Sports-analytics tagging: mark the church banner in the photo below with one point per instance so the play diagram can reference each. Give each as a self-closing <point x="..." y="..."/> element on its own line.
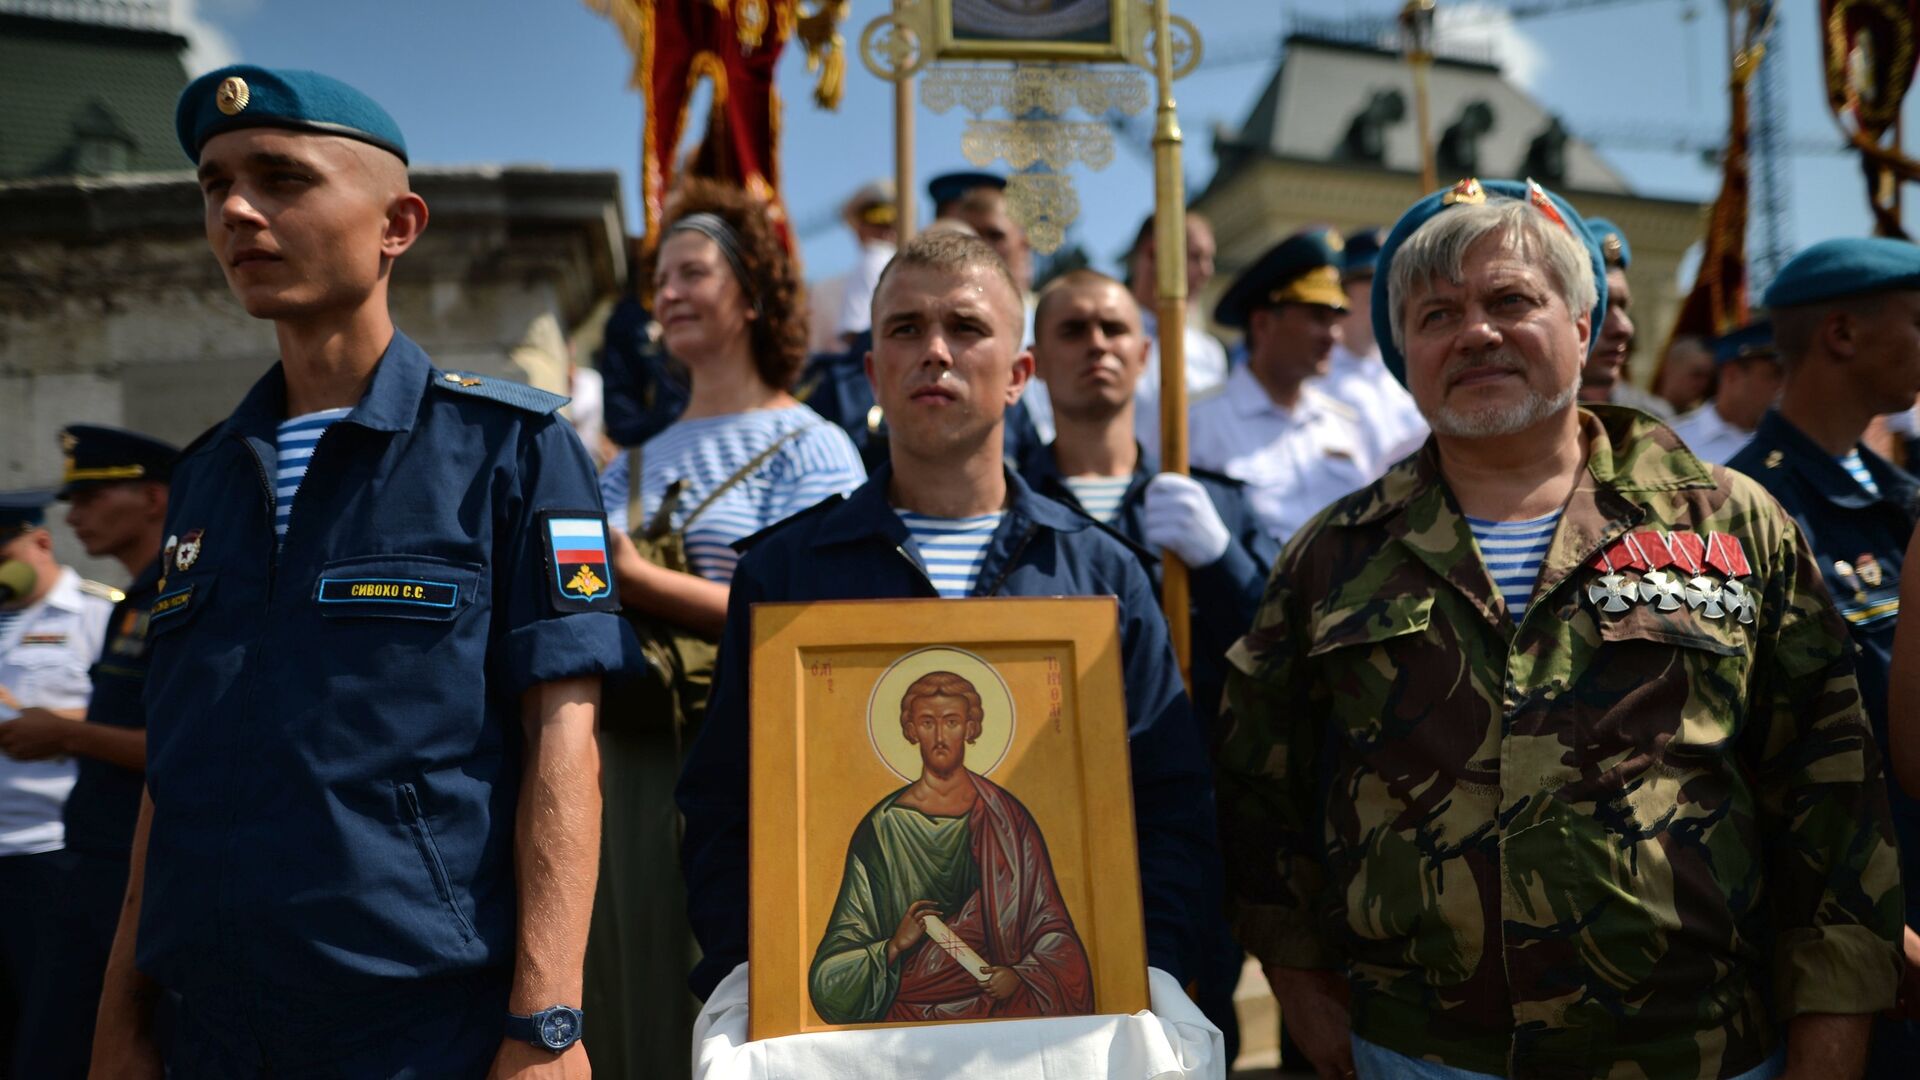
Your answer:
<point x="942" y="818"/>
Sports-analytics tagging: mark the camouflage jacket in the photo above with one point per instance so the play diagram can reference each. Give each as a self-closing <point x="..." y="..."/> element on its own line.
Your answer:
<point x="1625" y="837"/>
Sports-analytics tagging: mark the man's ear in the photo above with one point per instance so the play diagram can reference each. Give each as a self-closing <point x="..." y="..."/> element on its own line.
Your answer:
<point x="1022" y="374"/>
<point x="406" y="220"/>
<point x="1583" y="328"/>
<point x="1839" y="333"/>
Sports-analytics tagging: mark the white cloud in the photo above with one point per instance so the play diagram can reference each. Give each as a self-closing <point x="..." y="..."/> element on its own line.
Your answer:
<point x="1482" y="27"/>
<point x="208" y="46"/>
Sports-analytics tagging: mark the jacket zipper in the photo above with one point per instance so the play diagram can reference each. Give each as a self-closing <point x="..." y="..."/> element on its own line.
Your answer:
<point x="918" y="569"/>
<point x="1019" y="549"/>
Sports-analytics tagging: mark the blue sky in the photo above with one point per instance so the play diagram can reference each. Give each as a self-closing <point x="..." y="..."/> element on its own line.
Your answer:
<point x="546" y="81"/>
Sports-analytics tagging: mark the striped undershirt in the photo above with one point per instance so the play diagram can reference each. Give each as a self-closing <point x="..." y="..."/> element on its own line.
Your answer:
<point x="294" y="443"/>
<point x="817" y="463"/>
<point x="1100" y="496"/>
<point x="1857" y="468"/>
<point x="1513" y="551"/>
<point x="952" y="549"/>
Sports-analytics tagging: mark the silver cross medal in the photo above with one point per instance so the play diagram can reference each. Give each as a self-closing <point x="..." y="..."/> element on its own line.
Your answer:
<point x="1663" y="587"/>
<point x="1612" y="593"/>
<point x="1703" y="595"/>
<point x="1739" y="600"/>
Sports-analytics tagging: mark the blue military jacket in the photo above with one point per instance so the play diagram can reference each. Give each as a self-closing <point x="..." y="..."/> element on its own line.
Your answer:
<point x="1226" y="594"/>
<point x="105" y="802"/>
<point x="1859" y="541"/>
<point x="334" y="738"/>
<point x="858" y="548"/>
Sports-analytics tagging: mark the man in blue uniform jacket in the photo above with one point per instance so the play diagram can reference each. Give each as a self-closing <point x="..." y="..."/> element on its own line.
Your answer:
<point x="371" y="828"/>
<point x="1845" y="314"/>
<point x="947" y="364"/>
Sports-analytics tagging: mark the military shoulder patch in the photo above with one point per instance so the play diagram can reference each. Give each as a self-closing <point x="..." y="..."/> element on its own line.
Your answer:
<point x="506" y="391"/>
<point x="579" y="572"/>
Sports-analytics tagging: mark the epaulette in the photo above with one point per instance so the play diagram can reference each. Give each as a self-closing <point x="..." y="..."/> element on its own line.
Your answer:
<point x="505" y="391"/>
<point x="1340" y="408"/>
<point x="741" y="545"/>
<point x="104" y="592"/>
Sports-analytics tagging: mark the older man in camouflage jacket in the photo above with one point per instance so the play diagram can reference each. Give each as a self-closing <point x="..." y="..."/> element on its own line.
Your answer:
<point x="1545" y="754"/>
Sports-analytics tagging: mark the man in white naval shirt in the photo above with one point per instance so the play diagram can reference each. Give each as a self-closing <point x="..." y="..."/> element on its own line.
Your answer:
<point x="51" y="627"/>
<point x="1295" y="447"/>
<point x="1749" y="381"/>
<point x="1356" y="374"/>
<point x="1205" y="357"/>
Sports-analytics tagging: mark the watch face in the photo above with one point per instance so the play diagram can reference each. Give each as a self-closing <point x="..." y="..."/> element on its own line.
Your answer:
<point x="559" y="1028"/>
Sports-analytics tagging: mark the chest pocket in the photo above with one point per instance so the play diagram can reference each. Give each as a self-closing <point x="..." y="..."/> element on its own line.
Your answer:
<point x="1678" y="676"/>
<point x="1362" y="652"/>
<point x="418" y="587"/>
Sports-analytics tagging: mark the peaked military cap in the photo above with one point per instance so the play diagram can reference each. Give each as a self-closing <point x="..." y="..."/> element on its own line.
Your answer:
<point x="1613" y="242"/>
<point x="952" y="187"/>
<point x="1362" y="252"/>
<point x="1752" y="341"/>
<point x="1302" y="269"/>
<point x="245" y="96"/>
<point x="1848" y="266"/>
<point x="1466" y="193"/>
<point x="22" y="510"/>
<point x="105" y="455"/>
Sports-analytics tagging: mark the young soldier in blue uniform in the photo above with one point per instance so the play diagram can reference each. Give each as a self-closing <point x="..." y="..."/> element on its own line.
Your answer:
<point x="1845" y="314"/>
<point x="372" y="824"/>
<point x="116" y="485"/>
<point x="1090" y="347"/>
<point x="947" y="364"/>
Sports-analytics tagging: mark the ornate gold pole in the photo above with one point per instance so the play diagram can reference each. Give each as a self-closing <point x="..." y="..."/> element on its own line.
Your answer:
<point x="1416" y="22"/>
<point x="1170" y="272"/>
<point x="903" y="193"/>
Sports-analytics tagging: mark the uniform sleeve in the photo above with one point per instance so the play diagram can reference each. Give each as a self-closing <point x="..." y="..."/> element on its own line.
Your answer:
<point x="1267" y="771"/>
<point x="1228" y="591"/>
<point x="1172" y="791"/>
<point x="541" y="635"/>
<point x="712" y="795"/>
<point x="1833" y="867"/>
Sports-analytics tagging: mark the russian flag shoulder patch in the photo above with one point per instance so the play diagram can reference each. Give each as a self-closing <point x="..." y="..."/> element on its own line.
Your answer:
<point x="579" y="572"/>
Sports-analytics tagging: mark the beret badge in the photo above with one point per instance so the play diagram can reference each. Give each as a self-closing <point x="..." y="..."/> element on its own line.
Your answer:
<point x="1467" y="192"/>
<point x="233" y="95"/>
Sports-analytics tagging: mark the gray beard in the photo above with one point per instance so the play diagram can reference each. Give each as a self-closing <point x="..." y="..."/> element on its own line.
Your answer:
<point x="1500" y="420"/>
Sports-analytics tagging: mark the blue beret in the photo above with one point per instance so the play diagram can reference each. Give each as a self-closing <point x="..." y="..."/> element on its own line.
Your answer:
<point x="1849" y="266"/>
<point x="1362" y="251"/>
<point x="1613" y="242"/>
<point x="1302" y="269"/>
<point x="23" y="509"/>
<point x="104" y="455"/>
<point x="1467" y="192"/>
<point x="1754" y="340"/>
<point x="951" y="187"/>
<point x="245" y="96"/>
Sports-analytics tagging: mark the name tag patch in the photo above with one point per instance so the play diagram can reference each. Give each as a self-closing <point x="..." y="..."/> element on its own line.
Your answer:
<point x="577" y="565"/>
<point x="414" y="592"/>
<point x="171" y="604"/>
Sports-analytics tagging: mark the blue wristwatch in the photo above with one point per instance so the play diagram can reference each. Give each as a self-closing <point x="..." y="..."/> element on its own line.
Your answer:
<point x="554" y="1028"/>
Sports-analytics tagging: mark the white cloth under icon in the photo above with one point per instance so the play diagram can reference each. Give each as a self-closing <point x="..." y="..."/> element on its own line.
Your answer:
<point x="1172" y="1041"/>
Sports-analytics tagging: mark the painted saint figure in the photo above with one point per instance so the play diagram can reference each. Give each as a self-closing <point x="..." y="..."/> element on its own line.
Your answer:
<point x="959" y="848"/>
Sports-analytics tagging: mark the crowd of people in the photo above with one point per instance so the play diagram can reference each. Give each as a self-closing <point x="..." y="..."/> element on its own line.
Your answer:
<point x="1536" y="728"/>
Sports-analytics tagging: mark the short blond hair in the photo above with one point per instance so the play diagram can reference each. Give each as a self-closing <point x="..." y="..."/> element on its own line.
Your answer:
<point x="950" y="253"/>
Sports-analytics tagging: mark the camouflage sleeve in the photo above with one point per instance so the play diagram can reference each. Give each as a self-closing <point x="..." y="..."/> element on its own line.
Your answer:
<point x="1833" y="867"/>
<point x="1267" y="786"/>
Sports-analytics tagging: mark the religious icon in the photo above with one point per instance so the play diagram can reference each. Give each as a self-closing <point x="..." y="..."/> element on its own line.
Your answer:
<point x="937" y="835"/>
<point x="1031" y="29"/>
<point x="948" y="908"/>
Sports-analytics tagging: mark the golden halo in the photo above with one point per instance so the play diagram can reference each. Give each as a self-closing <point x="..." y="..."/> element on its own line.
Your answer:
<point x="901" y="757"/>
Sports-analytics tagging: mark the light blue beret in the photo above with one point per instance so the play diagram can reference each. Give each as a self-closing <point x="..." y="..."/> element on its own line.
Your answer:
<point x="1613" y="242"/>
<point x="1848" y="266"/>
<point x="246" y="96"/>
<point x="1467" y="192"/>
<point x="1752" y="340"/>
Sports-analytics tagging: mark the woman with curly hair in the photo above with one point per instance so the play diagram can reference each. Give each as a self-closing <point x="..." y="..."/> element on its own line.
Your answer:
<point x="743" y="456"/>
<point x="731" y="310"/>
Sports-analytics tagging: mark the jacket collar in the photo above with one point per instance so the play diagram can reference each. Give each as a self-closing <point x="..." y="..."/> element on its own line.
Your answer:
<point x="868" y="513"/>
<point x="1811" y="462"/>
<point x="391" y="403"/>
<point x="1041" y="470"/>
